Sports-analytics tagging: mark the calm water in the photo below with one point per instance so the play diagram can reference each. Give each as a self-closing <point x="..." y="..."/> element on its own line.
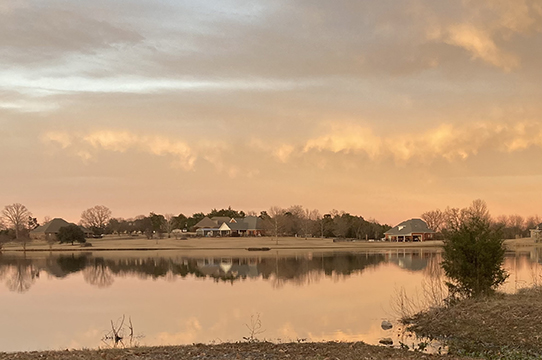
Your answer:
<point x="59" y="301"/>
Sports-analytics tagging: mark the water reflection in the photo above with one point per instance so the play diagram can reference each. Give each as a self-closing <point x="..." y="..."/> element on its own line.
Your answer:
<point x="62" y="300"/>
<point x="20" y="272"/>
<point x="19" y="275"/>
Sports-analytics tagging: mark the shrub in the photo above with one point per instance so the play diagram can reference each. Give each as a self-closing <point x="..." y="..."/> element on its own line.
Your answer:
<point x="70" y="234"/>
<point x="473" y="258"/>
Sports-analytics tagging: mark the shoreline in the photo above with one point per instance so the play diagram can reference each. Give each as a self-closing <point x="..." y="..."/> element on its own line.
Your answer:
<point x="112" y="243"/>
<point x="257" y="350"/>
<point x="240" y="245"/>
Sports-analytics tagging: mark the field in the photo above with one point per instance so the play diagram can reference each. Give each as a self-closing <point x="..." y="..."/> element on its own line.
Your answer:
<point x="238" y="246"/>
<point x="113" y="242"/>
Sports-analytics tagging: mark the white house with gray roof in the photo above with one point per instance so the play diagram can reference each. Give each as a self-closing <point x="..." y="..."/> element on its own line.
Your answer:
<point x="225" y="226"/>
<point x="410" y="230"/>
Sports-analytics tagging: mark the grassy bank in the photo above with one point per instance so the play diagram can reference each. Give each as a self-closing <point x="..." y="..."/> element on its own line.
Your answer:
<point x="253" y="351"/>
<point x="502" y="327"/>
<point x="112" y="242"/>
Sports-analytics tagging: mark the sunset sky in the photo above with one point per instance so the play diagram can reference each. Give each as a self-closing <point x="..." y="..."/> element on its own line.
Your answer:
<point x="384" y="109"/>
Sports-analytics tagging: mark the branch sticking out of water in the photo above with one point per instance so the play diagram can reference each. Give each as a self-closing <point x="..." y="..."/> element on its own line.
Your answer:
<point x="115" y="338"/>
<point x="255" y="329"/>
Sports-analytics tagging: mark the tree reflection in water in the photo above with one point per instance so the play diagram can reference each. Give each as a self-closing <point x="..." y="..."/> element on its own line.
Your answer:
<point x="298" y="270"/>
<point x="97" y="273"/>
<point x="21" y="276"/>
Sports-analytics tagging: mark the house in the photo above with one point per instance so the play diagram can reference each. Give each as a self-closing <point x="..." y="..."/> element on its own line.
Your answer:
<point x="206" y="226"/>
<point x="536" y="233"/>
<point x="410" y="230"/>
<point x="50" y="230"/>
<point x="225" y="226"/>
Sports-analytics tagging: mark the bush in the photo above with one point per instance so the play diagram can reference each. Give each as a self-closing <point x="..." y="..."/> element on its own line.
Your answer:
<point x="70" y="234"/>
<point x="473" y="258"/>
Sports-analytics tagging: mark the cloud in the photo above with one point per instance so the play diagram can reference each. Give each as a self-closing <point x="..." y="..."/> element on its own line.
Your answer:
<point x="61" y="138"/>
<point x="489" y="30"/>
<point x="448" y="141"/>
<point x="346" y="137"/>
<point x="451" y="142"/>
<point x="284" y="152"/>
<point x="480" y="44"/>
<point x="124" y="141"/>
<point x="53" y="30"/>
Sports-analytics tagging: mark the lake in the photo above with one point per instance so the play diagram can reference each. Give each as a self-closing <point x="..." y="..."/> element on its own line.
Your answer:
<point x="68" y="300"/>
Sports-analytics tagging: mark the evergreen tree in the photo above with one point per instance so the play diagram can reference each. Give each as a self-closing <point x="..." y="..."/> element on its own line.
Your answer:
<point x="473" y="257"/>
<point x="71" y="234"/>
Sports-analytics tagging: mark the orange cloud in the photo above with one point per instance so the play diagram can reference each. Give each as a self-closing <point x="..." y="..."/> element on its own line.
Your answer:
<point x="123" y="141"/>
<point x="480" y="44"/>
<point x="347" y="137"/>
<point x="447" y="141"/>
<point x="61" y="138"/>
<point x="485" y="28"/>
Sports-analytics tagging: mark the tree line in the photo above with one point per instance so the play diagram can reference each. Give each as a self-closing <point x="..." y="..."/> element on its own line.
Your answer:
<point x="17" y="221"/>
<point x="511" y="226"/>
<point x="292" y="221"/>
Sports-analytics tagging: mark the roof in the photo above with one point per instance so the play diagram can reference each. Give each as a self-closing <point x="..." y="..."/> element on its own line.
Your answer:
<point x="52" y="227"/>
<point x="206" y="223"/>
<point x="222" y="219"/>
<point x="236" y="224"/>
<point x="408" y="227"/>
<point x="252" y="222"/>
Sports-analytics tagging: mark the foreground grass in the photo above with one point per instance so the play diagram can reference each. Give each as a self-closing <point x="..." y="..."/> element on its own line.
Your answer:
<point x="254" y="351"/>
<point x="501" y="327"/>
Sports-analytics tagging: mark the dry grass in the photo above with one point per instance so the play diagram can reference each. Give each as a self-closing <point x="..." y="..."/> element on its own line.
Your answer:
<point x="112" y="242"/>
<point x="504" y="323"/>
<point x="229" y="351"/>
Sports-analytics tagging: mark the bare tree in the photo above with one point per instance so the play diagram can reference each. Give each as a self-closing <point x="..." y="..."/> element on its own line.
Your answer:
<point x="96" y="218"/>
<point x="502" y="220"/>
<point x="16" y="216"/>
<point x="453" y="218"/>
<point x="276" y="221"/>
<point x="310" y="220"/>
<point x="478" y="209"/>
<point x="169" y="224"/>
<point x="435" y="219"/>
<point x="516" y="224"/>
<point x="532" y="222"/>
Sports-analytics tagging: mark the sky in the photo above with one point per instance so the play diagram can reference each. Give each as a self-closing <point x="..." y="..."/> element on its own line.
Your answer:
<point x="383" y="109"/>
